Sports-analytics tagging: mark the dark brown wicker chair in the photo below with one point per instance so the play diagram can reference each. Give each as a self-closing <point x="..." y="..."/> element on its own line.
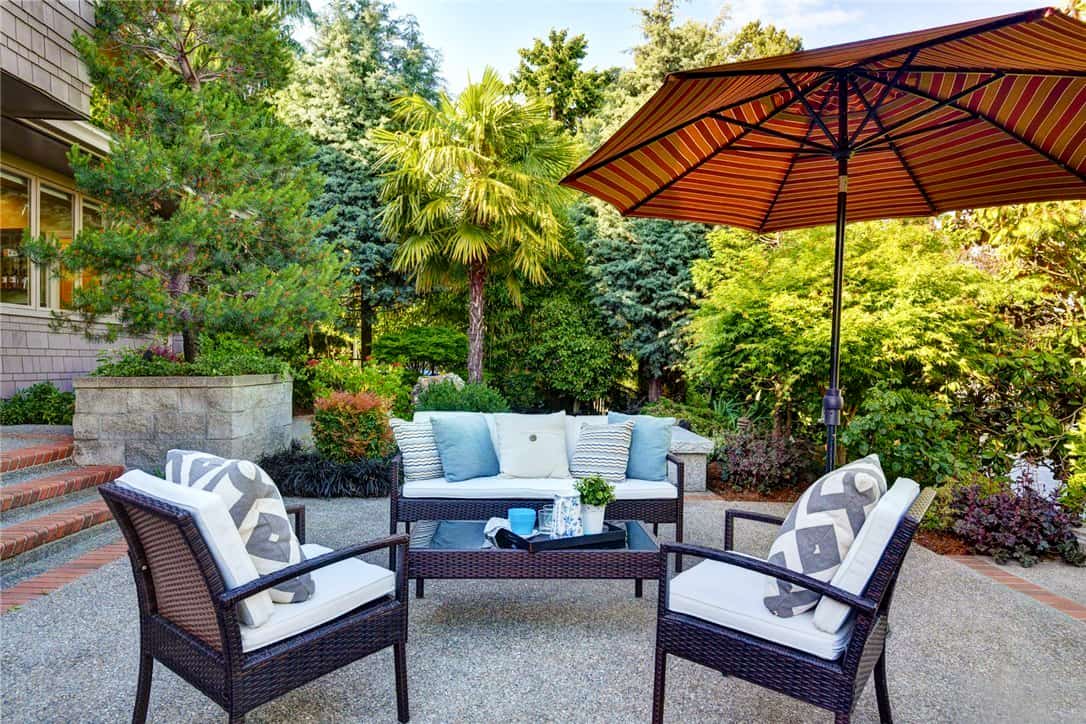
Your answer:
<point x="833" y="685"/>
<point x="189" y="620"/>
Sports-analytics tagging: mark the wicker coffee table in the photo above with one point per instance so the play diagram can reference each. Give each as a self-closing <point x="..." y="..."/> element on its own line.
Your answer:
<point x="453" y="549"/>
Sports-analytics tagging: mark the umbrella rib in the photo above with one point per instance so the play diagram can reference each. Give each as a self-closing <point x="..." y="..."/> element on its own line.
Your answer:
<point x="811" y="111"/>
<point x="746" y="131"/>
<point x="917" y="132"/>
<point x="770" y="132"/>
<point x="1005" y="71"/>
<point x="927" y="111"/>
<point x="881" y="99"/>
<point x="791" y="165"/>
<point x="663" y="134"/>
<point x="874" y="115"/>
<point x="991" y="121"/>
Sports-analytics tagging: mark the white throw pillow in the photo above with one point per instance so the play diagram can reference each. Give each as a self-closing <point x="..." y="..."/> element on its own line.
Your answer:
<point x="219" y="533"/>
<point x="418" y="446"/>
<point x="819" y="530"/>
<point x="257" y="509"/>
<point x="866" y="552"/>
<point x="532" y="446"/>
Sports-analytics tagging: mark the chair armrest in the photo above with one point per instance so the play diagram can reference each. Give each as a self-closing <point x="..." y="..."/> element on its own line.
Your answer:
<point x="234" y="595"/>
<point x="298" y="511"/>
<point x="769" y="569"/>
<point x="729" y="523"/>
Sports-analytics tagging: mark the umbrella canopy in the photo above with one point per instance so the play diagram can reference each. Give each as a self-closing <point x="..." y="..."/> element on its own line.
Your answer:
<point x="982" y="113"/>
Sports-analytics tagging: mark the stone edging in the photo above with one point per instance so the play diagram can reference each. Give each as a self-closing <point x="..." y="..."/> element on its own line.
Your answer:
<point x="1038" y="593"/>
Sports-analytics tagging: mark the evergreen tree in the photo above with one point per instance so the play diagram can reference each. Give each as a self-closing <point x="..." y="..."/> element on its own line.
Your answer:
<point x="362" y="59"/>
<point x="551" y="71"/>
<point x="205" y="191"/>
<point x="641" y="266"/>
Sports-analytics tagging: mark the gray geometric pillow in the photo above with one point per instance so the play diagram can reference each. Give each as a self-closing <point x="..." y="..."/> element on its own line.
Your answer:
<point x="819" y="529"/>
<point x="602" y="450"/>
<point x="257" y="510"/>
<point x="418" y="445"/>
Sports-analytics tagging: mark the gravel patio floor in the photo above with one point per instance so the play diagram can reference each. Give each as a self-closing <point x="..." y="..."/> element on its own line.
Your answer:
<point x="963" y="649"/>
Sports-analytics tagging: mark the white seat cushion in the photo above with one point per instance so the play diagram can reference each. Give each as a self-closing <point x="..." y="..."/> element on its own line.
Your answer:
<point x="217" y="528"/>
<point x="732" y="597"/>
<point x="530" y="488"/>
<point x="340" y="588"/>
<point x="866" y="552"/>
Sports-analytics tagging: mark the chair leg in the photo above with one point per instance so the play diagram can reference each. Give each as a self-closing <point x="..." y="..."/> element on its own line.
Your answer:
<point x="237" y="719"/>
<point x="638" y="588"/>
<point x="659" y="685"/>
<point x="842" y="718"/>
<point x="420" y="588"/>
<point x="882" y="691"/>
<point x="143" y="689"/>
<point x="399" y="653"/>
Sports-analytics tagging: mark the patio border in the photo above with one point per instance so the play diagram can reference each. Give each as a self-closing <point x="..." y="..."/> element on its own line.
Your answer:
<point x="45" y="583"/>
<point x="1038" y="593"/>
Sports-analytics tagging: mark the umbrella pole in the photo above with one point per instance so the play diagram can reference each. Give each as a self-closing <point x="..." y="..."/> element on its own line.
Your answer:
<point x="832" y="402"/>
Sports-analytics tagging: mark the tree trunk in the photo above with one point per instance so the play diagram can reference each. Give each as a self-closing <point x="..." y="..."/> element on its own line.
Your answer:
<point x="188" y="341"/>
<point x="365" y="329"/>
<point x="656" y="388"/>
<point x="476" y="328"/>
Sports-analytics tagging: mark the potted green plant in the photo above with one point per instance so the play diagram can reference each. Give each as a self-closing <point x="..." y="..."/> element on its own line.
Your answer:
<point x="595" y="493"/>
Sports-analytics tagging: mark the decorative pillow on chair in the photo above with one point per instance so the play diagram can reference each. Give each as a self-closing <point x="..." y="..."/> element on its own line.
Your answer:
<point x="465" y="448"/>
<point x="532" y="446"/>
<point x="819" y="530"/>
<point x="418" y="446"/>
<point x="649" y="445"/>
<point x="603" y="450"/>
<point x="257" y="510"/>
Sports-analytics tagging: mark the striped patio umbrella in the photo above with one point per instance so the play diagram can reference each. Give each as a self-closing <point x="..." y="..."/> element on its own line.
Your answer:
<point x="976" y="114"/>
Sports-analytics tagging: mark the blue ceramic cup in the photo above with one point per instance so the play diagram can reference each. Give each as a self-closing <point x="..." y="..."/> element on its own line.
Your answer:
<point x="521" y="520"/>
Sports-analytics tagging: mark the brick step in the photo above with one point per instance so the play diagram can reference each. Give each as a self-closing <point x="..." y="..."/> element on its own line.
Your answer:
<point x="50" y="580"/>
<point x="47" y="450"/>
<point x="37" y="490"/>
<point x="29" y="534"/>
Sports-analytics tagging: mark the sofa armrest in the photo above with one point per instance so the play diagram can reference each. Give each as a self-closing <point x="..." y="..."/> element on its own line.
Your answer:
<point x="680" y="470"/>
<point x="729" y="523"/>
<point x="234" y="595"/>
<point x="866" y="605"/>
<point x="298" y="511"/>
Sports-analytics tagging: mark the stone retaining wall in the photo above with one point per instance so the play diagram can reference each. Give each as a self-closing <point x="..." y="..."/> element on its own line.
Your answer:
<point x="133" y="421"/>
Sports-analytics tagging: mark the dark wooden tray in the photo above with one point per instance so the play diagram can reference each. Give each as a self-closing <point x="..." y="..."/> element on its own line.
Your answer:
<point x="613" y="536"/>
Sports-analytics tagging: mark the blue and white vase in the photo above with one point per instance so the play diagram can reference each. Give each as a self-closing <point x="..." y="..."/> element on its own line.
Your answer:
<point x="567" y="515"/>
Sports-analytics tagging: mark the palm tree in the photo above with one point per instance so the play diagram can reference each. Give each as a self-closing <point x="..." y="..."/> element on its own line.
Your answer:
<point x="472" y="192"/>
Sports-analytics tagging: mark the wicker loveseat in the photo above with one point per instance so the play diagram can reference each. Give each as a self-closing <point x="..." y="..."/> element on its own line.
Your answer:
<point x="653" y="502"/>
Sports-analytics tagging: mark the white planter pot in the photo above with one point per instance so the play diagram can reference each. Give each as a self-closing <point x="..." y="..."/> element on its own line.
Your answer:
<point x="592" y="518"/>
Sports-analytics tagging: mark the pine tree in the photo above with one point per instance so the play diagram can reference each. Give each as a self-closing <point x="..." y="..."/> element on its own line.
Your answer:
<point x="362" y="60"/>
<point x="205" y="191"/>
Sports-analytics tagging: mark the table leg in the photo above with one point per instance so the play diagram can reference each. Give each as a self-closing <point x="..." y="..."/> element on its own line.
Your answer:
<point x="638" y="588"/>
<point x="419" y="588"/>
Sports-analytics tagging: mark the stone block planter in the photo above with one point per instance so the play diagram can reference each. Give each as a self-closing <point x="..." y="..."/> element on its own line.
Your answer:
<point x="133" y="421"/>
<point x="693" y="450"/>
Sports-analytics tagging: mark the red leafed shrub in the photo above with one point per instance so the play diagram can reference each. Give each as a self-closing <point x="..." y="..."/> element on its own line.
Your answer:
<point x="352" y="426"/>
<point x="1022" y="525"/>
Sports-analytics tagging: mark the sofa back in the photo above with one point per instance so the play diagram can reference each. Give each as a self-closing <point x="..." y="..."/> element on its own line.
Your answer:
<point x="573" y="425"/>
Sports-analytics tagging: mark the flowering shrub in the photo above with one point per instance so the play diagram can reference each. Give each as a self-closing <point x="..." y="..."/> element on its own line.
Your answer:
<point x="349" y="427"/>
<point x="1022" y="525"/>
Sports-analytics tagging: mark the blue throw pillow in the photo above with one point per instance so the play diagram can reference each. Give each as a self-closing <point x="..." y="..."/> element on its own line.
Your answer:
<point x="649" y="445"/>
<point x="465" y="448"/>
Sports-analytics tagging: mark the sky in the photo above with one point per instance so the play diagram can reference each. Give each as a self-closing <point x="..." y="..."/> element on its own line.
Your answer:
<point x="472" y="34"/>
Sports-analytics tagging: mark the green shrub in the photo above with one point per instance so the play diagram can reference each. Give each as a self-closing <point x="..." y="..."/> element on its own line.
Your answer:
<point x="40" y="404"/>
<point x="426" y="350"/>
<point x="1073" y="493"/>
<point x="941" y="516"/>
<point x="322" y="378"/>
<point x="349" y="427"/>
<point x="913" y="435"/>
<point x="477" y="397"/>
<point x="703" y="420"/>
<point x="220" y="356"/>
<point x="391" y="381"/>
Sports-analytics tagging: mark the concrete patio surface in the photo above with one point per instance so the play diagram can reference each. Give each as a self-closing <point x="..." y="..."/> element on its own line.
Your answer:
<point x="963" y="649"/>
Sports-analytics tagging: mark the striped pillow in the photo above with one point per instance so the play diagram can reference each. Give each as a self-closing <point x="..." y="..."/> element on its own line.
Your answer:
<point x="603" y="450"/>
<point x="416" y="441"/>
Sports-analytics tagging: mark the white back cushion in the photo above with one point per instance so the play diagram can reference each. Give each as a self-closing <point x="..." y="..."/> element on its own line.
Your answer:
<point x="574" y="423"/>
<point x="219" y="532"/>
<point x="532" y="446"/>
<point x="866" y="551"/>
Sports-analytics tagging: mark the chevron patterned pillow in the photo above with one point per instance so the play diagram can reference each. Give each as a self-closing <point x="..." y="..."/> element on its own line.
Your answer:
<point x="602" y="450"/>
<point x="421" y="460"/>
<point x="819" y="529"/>
<point x="257" y="510"/>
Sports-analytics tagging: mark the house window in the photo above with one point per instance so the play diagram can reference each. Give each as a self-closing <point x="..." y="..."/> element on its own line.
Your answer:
<point x="14" y="223"/>
<point x="40" y="207"/>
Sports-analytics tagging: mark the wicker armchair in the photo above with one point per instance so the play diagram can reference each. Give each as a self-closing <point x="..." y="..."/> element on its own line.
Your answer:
<point x="832" y="683"/>
<point x="189" y="620"/>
